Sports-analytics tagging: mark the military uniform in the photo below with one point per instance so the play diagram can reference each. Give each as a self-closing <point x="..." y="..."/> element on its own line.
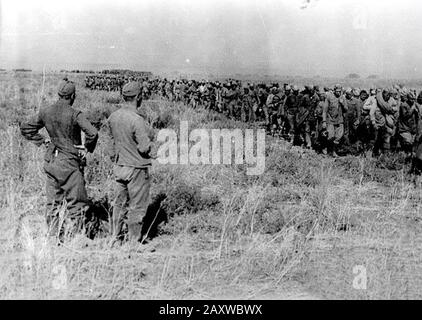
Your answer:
<point x="418" y="106"/>
<point x="290" y="108"/>
<point x="230" y="96"/>
<point x="247" y="101"/>
<point x="320" y="141"/>
<point x="352" y="120"/>
<point x="271" y="109"/>
<point x="381" y="117"/>
<point x="63" y="164"/>
<point x="130" y="153"/>
<point x="407" y="124"/>
<point x="334" y="108"/>
<point x="304" y="118"/>
<point x="262" y="96"/>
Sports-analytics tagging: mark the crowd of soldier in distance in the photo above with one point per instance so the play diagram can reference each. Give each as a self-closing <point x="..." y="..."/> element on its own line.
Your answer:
<point x="333" y="120"/>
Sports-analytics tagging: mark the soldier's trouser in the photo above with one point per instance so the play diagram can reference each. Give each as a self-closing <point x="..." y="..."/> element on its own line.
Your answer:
<point x="247" y="114"/>
<point x="275" y="121"/>
<point x="304" y="133"/>
<point x="380" y="140"/>
<point x="131" y="203"/>
<point x="252" y="113"/>
<point x="335" y="132"/>
<point x="334" y="135"/>
<point x="347" y="132"/>
<point x="364" y="133"/>
<point x="65" y="182"/>
<point x="207" y="104"/>
<point x="406" y="141"/>
<point x="266" y="114"/>
<point x="232" y="107"/>
<point x="243" y="113"/>
<point x="321" y="138"/>
<point x="291" y="119"/>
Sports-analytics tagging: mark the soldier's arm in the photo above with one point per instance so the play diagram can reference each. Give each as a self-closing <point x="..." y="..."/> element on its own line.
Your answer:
<point x="91" y="134"/>
<point x="112" y="150"/>
<point x="143" y="137"/>
<point x="30" y="130"/>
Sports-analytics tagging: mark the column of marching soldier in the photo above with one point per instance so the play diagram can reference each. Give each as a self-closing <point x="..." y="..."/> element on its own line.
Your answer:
<point x="333" y="120"/>
<point x="328" y="120"/>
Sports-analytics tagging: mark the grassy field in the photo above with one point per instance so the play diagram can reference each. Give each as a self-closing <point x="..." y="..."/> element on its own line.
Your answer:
<point x="297" y="231"/>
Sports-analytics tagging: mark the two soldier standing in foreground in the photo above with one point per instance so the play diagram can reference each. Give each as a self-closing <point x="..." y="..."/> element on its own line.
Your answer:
<point x="65" y="157"/>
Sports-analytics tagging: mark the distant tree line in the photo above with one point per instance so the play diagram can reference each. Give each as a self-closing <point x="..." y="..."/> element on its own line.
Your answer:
<point x="77" y="71"/>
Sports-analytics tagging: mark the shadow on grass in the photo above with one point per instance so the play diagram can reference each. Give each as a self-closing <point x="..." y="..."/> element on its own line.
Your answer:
<point x="98" y="217"/>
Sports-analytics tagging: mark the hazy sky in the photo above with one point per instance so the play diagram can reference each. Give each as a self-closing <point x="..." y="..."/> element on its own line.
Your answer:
<point x="327" y="38"/>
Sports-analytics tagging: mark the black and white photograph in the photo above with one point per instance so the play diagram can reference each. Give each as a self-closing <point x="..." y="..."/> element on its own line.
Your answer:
<point x="235" y="151"/>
